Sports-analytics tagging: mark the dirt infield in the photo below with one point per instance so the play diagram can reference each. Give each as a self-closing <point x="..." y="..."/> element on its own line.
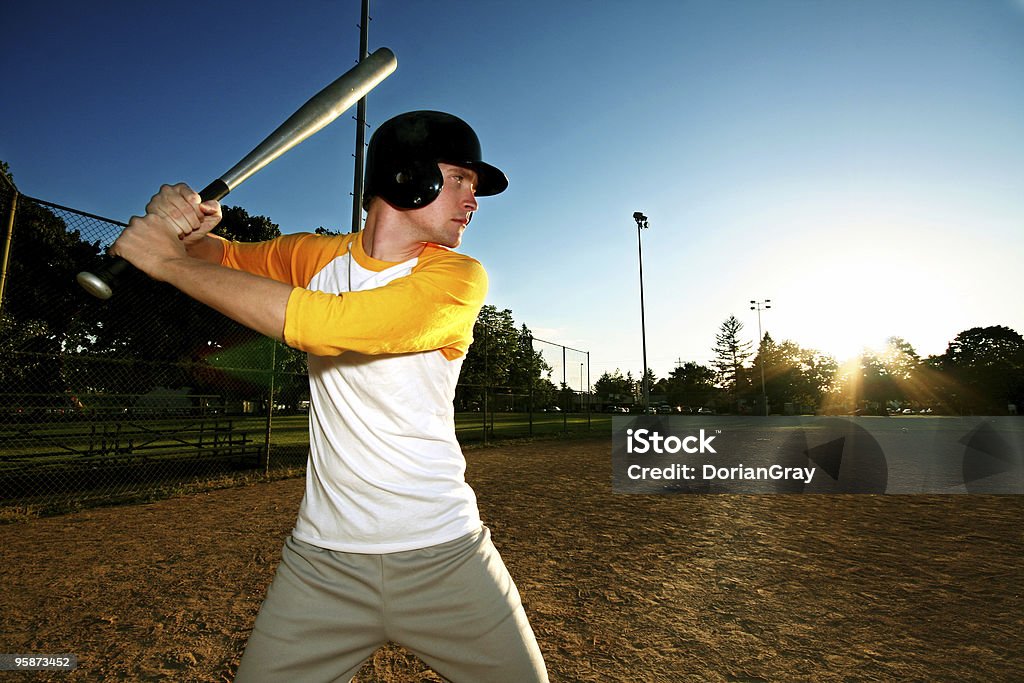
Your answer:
<point x="618" y="588"/>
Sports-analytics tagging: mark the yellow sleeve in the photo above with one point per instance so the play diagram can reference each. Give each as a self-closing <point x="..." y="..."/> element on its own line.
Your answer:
<point x="293" y="258"/>
<point x="432" y="308"/>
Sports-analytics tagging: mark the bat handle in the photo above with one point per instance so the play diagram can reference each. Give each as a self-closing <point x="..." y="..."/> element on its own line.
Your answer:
<point x="101" y="283"/>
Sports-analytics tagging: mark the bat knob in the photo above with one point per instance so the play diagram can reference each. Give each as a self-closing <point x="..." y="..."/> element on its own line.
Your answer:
<point x="100" y="284"/>
<point x="94" y="285"/>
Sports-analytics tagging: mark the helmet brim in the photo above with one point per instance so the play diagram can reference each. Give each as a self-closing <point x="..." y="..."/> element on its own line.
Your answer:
<point x="490" y="180"/>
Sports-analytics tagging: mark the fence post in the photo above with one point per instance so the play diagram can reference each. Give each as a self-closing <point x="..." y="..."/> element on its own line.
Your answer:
<point x="587" y="389"/>
<point x="529" y="406"/>
<point x="270" y="409"/>
<point x="8" y="236"/>
<point x="486" y="383"/>
<point x="565" y="392"/>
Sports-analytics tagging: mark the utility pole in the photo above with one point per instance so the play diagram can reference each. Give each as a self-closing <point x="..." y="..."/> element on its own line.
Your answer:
<point x="357" y="183"/>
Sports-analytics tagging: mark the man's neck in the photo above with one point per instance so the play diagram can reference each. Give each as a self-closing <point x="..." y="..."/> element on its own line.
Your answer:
<point x="384" y="239"/>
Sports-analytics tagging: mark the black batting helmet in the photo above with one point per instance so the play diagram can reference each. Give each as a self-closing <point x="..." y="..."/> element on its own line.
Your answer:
<point x="401" y="162"/>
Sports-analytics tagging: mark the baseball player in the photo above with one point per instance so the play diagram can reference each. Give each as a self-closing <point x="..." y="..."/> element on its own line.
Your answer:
<point x="388" y="545"/>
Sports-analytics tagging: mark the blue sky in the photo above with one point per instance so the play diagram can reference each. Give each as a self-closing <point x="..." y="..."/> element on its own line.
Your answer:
<point x="859" y="163"/>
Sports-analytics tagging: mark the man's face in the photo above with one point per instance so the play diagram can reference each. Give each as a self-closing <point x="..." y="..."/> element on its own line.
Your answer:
<point x="445" y="219"/>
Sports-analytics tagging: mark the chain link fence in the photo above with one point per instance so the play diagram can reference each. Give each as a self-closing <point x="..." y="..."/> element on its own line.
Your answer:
<point x="149" y="392"/>
<point x="544" y="392"/>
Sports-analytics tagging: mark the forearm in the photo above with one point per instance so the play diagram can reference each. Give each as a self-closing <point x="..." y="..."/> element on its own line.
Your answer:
<point x="255" y="302"/>
<point x="171" y="244"/>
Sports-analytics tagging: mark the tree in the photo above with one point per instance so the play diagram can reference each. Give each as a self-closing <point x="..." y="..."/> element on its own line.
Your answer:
<point x="892" y="377"/>
<point x="794" y="375"/>
<point x="906" y="375"/>
<point x="818" y="378"/>
<point x="870" y="387"/>
<point x="900" y="359"/>
<point x="730" y="355"/>
<point x="45" y="252"/>
<point x="44" y="316"/>
<point x="530" y="370"/>
<point x="614" y="388"/>
<point x="986" y="365"/>
<point x="691" y="385"/>
<point x="496" y="341"/>
<point x="502" y="359"/>
<point x="239" y="226"/>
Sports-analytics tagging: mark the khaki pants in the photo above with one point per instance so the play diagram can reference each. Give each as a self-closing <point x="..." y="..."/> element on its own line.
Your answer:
<point x="453" y="605"/>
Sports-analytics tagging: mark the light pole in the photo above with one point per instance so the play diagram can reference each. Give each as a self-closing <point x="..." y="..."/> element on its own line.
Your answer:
<point x="641" y="223"/>
<point x="760" y="306"/>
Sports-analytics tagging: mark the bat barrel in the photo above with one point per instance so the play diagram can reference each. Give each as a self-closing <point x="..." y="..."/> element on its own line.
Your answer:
<point x="320" y="110"/>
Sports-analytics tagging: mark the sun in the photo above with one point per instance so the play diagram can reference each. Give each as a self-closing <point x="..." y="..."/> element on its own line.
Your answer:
<point x="849" y="298"/>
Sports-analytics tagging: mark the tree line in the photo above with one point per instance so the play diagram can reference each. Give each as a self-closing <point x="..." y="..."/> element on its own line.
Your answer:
<point x="149" y="335"/>
<point x="981" y="372"/>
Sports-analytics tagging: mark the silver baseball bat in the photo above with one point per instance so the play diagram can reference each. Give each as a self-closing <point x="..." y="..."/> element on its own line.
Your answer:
<point x="320" y="110"/>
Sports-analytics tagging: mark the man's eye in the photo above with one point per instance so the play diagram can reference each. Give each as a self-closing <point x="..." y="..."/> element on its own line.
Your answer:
<point x="461" y="181"/>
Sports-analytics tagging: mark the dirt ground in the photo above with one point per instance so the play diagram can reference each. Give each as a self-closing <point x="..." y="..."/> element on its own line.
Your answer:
<point x="617" y="587"/>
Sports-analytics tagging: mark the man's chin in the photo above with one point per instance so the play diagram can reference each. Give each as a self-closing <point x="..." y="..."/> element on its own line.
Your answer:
<point x="450" y="243"/>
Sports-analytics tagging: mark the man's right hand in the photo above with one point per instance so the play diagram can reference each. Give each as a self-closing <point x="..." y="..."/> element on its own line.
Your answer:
<point x="175" y="220"/>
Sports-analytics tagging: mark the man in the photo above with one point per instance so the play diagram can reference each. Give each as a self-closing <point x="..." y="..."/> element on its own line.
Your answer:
<point x="388" y="545"/>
